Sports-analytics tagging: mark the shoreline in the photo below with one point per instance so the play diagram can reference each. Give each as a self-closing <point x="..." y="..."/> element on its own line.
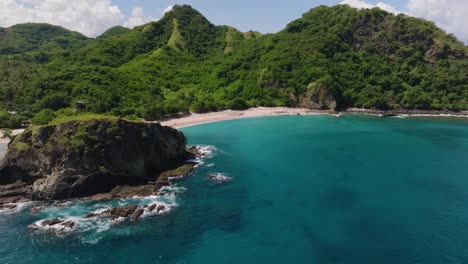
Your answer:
<point x="194" y="119"/>
<point x="14" y="132"/>
<point x="406" y="113"/>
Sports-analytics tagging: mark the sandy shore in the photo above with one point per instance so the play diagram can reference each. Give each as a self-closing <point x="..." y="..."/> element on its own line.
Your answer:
<point x="6" y="140"/>
<point x="196" y="119"/>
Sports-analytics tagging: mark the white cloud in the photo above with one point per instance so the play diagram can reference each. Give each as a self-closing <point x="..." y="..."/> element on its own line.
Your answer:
<point x="137" y="18"/>
<point x="364" y="5"/>
<point x="388" y="8"/>
<point x="168" y="9"/>
<point x="451" y="15"/>
<point x="90" y="17"/>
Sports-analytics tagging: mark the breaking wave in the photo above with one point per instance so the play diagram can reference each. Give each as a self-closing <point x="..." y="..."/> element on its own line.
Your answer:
<point x="219" y="178"/>
<point x="90" y="219"/>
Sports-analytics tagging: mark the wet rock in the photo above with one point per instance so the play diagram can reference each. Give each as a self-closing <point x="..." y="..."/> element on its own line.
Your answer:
<point x="124" y="211"/>
<point x="51" y="222"/>
<point x="219" y="178"/>
<point x="8" y="206"/>
<point x="151" y="208"/>
<point x="181" y="171"/>
<point x="136" y="215"/>
<point x="194" y="151"/>
<point x="397" y="112"/>
<point x="160" y="208"/>
<point x="37" y="209"/>
<point x="211" y="177"/>
<point x="90" y="215"/>
<point x="69" y="224"/>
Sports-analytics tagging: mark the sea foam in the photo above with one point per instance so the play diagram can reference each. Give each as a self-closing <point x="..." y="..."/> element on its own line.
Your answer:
<point x="11" y="208"/>
<point x="219" y="178"/>
<point x="92" y="229"/>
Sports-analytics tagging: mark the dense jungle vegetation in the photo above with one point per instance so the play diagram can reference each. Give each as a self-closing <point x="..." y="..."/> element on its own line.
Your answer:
<point x="181" y="63"/>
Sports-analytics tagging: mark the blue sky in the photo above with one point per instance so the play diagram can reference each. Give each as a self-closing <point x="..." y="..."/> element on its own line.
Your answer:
<point x="92" y="17"/>
<point x="264" y="16"/>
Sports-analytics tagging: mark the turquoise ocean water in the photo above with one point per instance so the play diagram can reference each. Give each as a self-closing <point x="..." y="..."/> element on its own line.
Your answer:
<point x="303" y="189"/>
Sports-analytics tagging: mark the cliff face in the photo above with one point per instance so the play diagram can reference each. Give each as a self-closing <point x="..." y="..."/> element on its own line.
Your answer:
<point x="82" y="158"/>
<point x="317" y="97"/>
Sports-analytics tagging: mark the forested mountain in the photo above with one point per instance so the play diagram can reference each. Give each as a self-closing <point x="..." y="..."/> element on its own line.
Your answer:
<point x="331" y="57"/>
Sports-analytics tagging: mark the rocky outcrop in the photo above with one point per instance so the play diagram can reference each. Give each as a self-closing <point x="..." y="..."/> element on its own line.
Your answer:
<point x="317" y="97"/>
<point x="125" y="211"/>
<point x="56" y="224"/>
<point x="407" y="112"/>
<point x="132" y="212"/>
<point x="83" y="158"/>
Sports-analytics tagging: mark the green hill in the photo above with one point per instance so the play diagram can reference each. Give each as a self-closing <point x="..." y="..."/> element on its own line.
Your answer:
<point x="32" y="37"/>
<point x="114" y="31"/>
<point x="331" y="57"/>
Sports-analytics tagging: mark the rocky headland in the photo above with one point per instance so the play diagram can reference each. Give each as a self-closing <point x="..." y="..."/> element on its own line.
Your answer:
<point x="96" y="159"/>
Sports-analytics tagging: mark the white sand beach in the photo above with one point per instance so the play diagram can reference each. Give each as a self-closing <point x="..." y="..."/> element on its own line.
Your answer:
<point x="6" y="140"/>
<point x="196" y="119"/>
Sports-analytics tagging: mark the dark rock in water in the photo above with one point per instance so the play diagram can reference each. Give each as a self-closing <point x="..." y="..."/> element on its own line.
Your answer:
<point x="83" y="158"/>
<point x="8" y="206"/>
<point x="136" y="215"/>
<point x="219" y="178"/>
<point x="124" y="211"/>
<point x="90" y="215"/>
<point x="51" y="222"/>
<point x="183" y="170"/>
<point x="160" y="208"/>
<point x="55" y="221"/>
<point x="212" y="177"/>
<point x="69" y="224"/>
<point x="194" y="151"/>
<point x="151" y="208"/>
<point x="37" y="209"/>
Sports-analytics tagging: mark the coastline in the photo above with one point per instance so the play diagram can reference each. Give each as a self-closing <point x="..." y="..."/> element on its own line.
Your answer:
<point x="194" y="119"/>
<point x="14" y="133"/>
<point x="204" y="118"/>
<point x="406" y="113"/>
<point x="197" y="119"/>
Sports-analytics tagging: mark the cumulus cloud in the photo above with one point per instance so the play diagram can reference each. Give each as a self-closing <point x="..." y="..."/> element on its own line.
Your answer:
<point x="364" y="5"/>
<point x="450" y="15"/>
<point x="137" y="18"/>
<point x="90" y="17"/>
<point x="167" y="9"/>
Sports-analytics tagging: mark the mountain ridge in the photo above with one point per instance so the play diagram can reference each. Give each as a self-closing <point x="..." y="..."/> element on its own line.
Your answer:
<point x="356" y="58"/>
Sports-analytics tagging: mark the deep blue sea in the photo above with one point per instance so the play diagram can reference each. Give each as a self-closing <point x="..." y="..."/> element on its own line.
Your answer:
<point x="303" y="189"/>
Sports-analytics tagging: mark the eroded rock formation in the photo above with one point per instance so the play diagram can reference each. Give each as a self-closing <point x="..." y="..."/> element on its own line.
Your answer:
<point x="82" y="158"/>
